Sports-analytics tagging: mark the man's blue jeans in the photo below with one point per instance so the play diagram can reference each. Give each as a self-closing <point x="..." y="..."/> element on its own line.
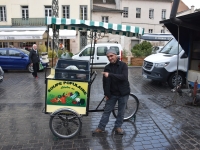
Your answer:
<point x="110" y="104"/>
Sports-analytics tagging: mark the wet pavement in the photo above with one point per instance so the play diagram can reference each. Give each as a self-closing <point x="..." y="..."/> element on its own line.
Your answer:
<point x="23" y="124"/>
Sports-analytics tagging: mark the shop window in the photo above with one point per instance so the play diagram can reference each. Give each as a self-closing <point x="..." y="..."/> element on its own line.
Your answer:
<point x="5" y="44"/>
<point x="27" y="45"/>
<point x="49" y="43"/>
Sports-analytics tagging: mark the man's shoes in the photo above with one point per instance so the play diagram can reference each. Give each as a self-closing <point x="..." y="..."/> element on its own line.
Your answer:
<point x="119" y="131"/>
<point x="36" y="77"/>
<point x="97" y="130"/>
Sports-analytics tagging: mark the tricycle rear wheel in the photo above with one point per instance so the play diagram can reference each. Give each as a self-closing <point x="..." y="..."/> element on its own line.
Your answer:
<point x="130" y="109"/>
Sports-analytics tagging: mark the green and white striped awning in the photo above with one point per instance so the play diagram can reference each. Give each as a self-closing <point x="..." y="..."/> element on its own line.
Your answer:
<point x="100" y="27"/>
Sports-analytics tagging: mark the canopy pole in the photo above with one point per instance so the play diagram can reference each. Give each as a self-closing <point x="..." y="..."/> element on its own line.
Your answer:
<point x="52" y="50"/>
<point x="177" y="60"/>
<point x="94" y="38"/>
<point x="55" y="9"/>
<point x="47" y="39"/>
<point x="91" y="39"/>
<point x="176" y="86"/>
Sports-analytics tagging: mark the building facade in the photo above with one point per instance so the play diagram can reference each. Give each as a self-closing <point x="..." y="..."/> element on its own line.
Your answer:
<point x="145" y="14"/>
<point x="26" y="16"/>
<point x="141" y="13"/>
<point x="105" y="11"/>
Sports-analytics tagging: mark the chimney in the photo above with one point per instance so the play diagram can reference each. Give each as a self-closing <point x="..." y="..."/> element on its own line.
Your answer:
<point x="192" y="9"/>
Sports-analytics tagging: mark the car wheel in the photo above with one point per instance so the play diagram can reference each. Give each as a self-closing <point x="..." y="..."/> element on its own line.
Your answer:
<point x="30" y="68"/>
<point x="172" y="79"/>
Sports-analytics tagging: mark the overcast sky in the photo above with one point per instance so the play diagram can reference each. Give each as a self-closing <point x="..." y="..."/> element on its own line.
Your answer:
<point x="189" y="3"/>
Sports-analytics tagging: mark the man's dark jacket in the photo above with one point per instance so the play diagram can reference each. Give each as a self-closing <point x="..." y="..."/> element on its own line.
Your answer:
<point x="117" y="81"/>
<point x="34" y="57"/>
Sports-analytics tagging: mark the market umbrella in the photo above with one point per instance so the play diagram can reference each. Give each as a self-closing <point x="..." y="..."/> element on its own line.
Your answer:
<point x="95" y="26"/>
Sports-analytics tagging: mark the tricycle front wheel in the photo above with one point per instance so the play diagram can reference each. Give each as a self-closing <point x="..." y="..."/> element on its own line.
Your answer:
<point x="65" y="124"/>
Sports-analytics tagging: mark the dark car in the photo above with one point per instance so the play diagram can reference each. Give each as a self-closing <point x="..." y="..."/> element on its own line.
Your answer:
<point x="16" y="59"/>
<point x="1" y="74"/>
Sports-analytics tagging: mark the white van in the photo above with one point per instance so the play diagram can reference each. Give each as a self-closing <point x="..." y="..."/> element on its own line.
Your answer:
<point x="163" y="65"/>
<point x="99" y="53"/>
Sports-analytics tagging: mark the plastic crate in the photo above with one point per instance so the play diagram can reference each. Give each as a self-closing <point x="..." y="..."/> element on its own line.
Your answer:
<point x="69" y="69"/>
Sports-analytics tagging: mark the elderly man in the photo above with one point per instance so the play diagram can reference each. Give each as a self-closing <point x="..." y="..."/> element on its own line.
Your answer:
<point x="34" y="60"/>
<point x="116" y="89"/>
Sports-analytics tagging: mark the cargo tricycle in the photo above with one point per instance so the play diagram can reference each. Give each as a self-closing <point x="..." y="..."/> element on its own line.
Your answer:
<point x="68" y="84"/>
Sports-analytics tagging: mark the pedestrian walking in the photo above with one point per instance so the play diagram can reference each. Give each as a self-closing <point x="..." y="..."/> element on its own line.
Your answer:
<point x="116" y="90"/>
<point x="34" y="60"/>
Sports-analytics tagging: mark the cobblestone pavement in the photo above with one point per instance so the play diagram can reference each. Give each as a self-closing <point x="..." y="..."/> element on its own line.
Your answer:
<point x="24" y="126"/>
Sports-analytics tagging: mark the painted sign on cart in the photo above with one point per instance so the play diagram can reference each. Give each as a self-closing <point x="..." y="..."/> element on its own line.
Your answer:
<point x="70" y="94"/>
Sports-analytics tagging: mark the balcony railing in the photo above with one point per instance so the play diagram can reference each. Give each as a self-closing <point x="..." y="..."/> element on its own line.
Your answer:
<point x="28" y="21"/>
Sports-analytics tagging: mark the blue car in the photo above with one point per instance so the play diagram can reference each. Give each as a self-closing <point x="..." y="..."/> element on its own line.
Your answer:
<point x="16" y="59"/>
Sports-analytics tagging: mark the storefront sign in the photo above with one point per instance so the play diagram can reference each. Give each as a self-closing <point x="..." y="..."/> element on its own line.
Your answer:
<point x="20" y="37"/>
<point x="68" y="94"/>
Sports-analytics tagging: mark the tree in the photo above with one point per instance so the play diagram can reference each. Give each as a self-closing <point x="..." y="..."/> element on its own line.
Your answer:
<point x="142" y="50"/>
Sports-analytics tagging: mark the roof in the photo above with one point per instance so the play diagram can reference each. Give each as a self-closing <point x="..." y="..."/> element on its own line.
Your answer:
<point x="94" y="26"/>
<point x="182" y="7"/>
<point x="190" y="18"/>
<point x="105" y="9"/>
<point x="192" y="23"/>
<point x="178" y="13"/>
<point x="101" y="2"/>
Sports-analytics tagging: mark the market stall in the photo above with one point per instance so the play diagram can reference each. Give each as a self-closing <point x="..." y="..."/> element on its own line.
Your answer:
<point x="68" y="85"/>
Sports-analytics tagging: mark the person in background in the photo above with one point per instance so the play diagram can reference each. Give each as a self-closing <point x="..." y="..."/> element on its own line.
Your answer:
<point x="61" y="46"/>
<point x="116" y="89"/>
<point x="34" y="60"/>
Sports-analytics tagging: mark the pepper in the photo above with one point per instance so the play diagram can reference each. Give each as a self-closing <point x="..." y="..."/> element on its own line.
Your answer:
<point x="54" y="100"/>
<point x="63" y="99"/>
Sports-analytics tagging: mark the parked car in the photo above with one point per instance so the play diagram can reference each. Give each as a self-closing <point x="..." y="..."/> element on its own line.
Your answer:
<point x="1" y="74"/>
<point x="99" y="53"/>
<point x="156" y="49"/>
<point x="18" y="59"/>
<point x="163" y="65"/>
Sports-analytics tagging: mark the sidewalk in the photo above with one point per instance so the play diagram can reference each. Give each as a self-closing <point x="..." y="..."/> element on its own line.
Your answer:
<point x="23" y="126"/>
